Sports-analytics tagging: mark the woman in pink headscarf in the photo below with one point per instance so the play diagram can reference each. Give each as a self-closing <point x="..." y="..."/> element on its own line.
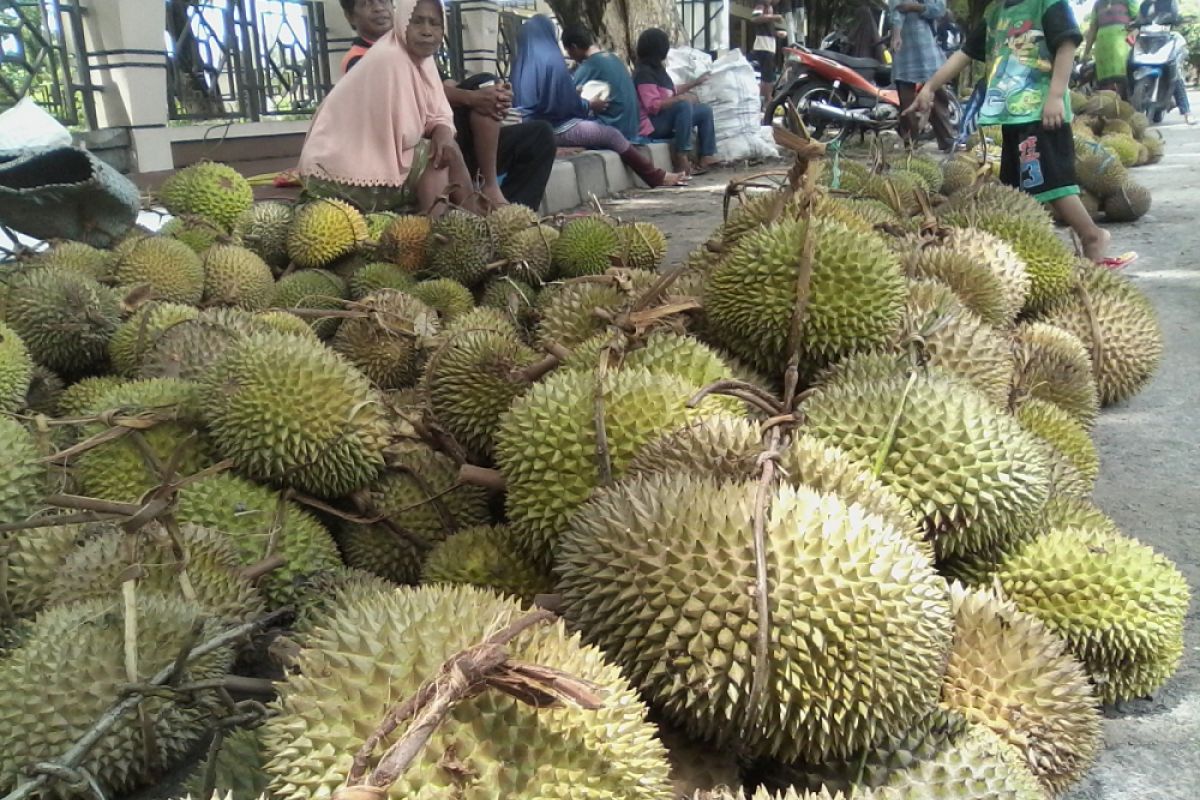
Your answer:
<point x="384" y="137"/>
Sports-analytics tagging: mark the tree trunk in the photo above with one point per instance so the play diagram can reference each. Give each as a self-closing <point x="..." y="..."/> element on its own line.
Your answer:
<point x="618" y="23"/>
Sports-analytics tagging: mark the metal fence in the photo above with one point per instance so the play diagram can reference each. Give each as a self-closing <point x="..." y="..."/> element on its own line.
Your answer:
<point x="453" y="58"/>
<point x="702" y="18"/>
<point x="42" y="57"/>
<point x="246" y="59"/>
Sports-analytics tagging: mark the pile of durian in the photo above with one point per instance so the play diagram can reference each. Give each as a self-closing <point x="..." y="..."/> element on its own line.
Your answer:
<point x="814" y="508"/>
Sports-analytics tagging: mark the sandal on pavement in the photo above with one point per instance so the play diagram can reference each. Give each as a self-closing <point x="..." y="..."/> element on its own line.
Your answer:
<point x="1118" y="262"/>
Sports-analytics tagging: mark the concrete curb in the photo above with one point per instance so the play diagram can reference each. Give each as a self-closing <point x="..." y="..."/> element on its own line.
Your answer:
<point x="597" y="173"/>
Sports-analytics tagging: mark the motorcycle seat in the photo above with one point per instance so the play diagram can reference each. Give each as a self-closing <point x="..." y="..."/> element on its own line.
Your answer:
<point x="856" y="64"/>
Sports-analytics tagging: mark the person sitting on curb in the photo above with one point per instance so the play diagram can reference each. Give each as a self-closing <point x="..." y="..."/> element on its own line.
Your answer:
<point x="596" y="64"/>
<point x="671" y="112"/>
<point x="524" y="153"/>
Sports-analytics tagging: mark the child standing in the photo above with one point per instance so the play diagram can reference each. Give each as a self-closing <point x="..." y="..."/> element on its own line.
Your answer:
<point x="1029" y="47"/>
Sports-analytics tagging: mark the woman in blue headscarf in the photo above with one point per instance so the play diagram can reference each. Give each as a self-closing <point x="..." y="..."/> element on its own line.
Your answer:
<point x="543" y="90"/>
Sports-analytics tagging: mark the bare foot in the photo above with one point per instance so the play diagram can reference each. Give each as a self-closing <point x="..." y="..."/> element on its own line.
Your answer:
<point x="682" y="163"/>
<point x="675" y="178"/>
<point x="1095" y="247"/>
<point x="709" y="162"/>
<point x="495" y="198"/>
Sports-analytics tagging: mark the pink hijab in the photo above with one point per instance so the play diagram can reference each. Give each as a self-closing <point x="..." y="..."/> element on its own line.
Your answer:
<point x="366" y="129"/>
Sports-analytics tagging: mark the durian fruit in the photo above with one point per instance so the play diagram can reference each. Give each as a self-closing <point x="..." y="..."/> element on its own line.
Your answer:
<point x="1154" y="146"/>
<point x="1094" y="205"/>
<point x="464" y="247"/>
<point x="897" y="189"/>
<point x="471" y="379"/>
<point x="1053" y="365"/>
<point x="1123" y="146"/>
<point x="197" y="233"/>
<point x="383" y="551"/>
<point x="992" y="252"/>
<point x="1130" y="342"/>
<point x="163" y="268"/>
<point x="1139" y="123"/>
<point x="96" y="570"/>
<point x="1143" y="155"/>
<point x="635" y="561"/>
<point x="1048" y="260"/>
<point x="65" y="319"/>
<point x="405" y="241"/>
<point x="387" y="345"/>
<point x="482" y="319"/>
<point x="1008" y="672"/>
<point x="856" y="294"/>
<point x="1129" y="203"/>
<point x="261" y="523"/>
<point x="75" y="257"/>
<point x="530" y="253"/>
<point x="975" y="284"/>
<point x="79" y="396"/>
<point x="45" y="389"/>
<point x="663" y="352"/>
<point x="421" y="494"/>
<point x="371" y="277"/>
<point x="214" y="191"/>
<point x="235" y="276"/>
<point x="546" y="444"/>
<point x="927" y="168"/>
<point x="323" y="231"/>
<point x="729" y="449"/>
<point x="447" y="297"/>
<point x="313" y="289"/>
<point x="643" y="246"/>
<point x="968" y="469"/>
<point x="236" y="769"/>
<point x="508" y="221"/>
<point x="586" y="246"/>
<point x="1104" y="103"/>
<point x="1118" y="604"/>
<point x="1099" y="171"/>
<point x="386" y="646"/>
<point x="187" y="349"/>
<point x="992" y="197"/>
<point x="1066" y="435"/>
<point x="1117" y="126"/>
<point x="872" y="212"/>
<point x="567" y="311"/>
<point x="285" y="322"/>
<point x="76" y="655"/>
<point x="322" y="594"/>
<point x="121" y="470"/>
<point x="958" y="174"/>
<point x="32" y="559"/>
<point x="137" y="335"/>
<point x="294" y="413"/>
<point x="22" y="478"/>
<point x="759" y="211"/>
<point x="377" y="223"/>
<point x="16" y="370"/>
<point x="515" y="299"/>
<point x="486" y="556"/>
<point x="263" y="229"/>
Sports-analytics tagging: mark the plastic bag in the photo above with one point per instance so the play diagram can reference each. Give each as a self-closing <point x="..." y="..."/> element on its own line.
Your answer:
<point x="27" y="125"/>
<point x="733" y="94"/>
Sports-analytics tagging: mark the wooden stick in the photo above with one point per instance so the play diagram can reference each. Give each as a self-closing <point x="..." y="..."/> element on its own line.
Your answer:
<point x="482" y="476"/>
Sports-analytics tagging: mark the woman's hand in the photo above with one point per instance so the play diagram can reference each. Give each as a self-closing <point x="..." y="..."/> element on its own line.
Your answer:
<point x="442" y="146"/>
<point x="598" y="106"/>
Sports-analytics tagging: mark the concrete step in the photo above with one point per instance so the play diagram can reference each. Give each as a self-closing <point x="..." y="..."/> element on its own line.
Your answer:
<point x="596" y="173"/>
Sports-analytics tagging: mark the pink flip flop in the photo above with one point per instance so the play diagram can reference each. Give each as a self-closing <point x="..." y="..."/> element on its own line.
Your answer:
<point x="1118" y="262"/>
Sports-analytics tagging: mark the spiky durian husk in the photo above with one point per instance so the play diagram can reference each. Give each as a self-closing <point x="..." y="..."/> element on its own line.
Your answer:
<point x="546" y="442"/>
<point x="405" y="242"/>
<point x="1009" y="672"/>
<point x="959" y="174"/>
<point x="76" y="654"/>
<point x="313" y="289"/>
<point x="1065" y="434"/>
<point x="463" y="246"/>
<point x="530" y="254"/>
<point x="992" y="251"/>
<point x="979" y="765"/>
<point x="968" y="469"/>
<point x="729" y="449"/>
<point x="567" y="311"/>
<point x="1118" y="604"/>
<point x="1054" y="365"/>
<point x="375" y="276"/>
<point x="33" y="559"/>
<point x="323" y="231"/>
<point x="235" y="276"/>
<point x="22" y="477"/>
<point x="664" y="352"/>
<point x="447" y="297"/>
<point x="96" y="570"/>
<point x="421" y="495"/>
<point x="633" y="558"/>
<point x="214" y="191"/>
<point x="586" y="246"/>
<point x="264" y="230"/>
<point x="260" y="523"/>
<point x="187" y="349"/>
<point x="65" y="319"/>
<point x="385" y="647"/>
<point x="989" y="197"/>
<point x="387" y="346"/>
<point x="321" y="595"/>
<point x="976" y="285"/>
<point x="1130" y="346"/>
<point x="197" y="233"/>
<point x="471" y="379"/>
<point x="236" y="769"/>
<point x="383" y="551"/>
<point x="482" y="319"/>
<point x="1128" y="204"/>
<point x="643" y="246"/>
<point x="16" y="370"/>
<point x="137" y="335"/>
<point x="75" y="257"/>
<point x="325" y="432"/>
<point x="45" y="389"/>
<point x="515" y="299"/>
<point x="284" y="322"/>
<point x="856" y="294"/>
<point x="508" y="221"/>
<point x="165" y="268"/>
<point x="486" y="556"/>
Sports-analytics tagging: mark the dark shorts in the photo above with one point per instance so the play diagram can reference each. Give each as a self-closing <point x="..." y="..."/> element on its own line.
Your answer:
<point x="764" y="62"/>
<point x="1039" y="162"/>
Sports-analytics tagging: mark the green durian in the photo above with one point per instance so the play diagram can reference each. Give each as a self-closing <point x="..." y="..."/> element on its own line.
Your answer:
<point x="388" y="345"/>
<point x="489" y="557"/>
<point x="586" y="246"/>
<point x="323" y="231"/>
<point x="214" y="191"/>
<point x="164" y="268"/>
<point x="235" y="276"/>
<point x="65" y="319"/>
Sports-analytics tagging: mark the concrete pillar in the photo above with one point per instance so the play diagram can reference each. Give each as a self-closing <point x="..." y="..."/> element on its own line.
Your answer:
<point x="130" y="65"/>
<point x="480" y="35"/>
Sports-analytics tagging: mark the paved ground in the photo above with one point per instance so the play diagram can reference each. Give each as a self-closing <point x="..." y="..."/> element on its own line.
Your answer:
<point x="1150" y="448"/>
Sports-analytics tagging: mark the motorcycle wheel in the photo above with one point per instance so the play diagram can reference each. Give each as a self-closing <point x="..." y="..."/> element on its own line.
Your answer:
<point x="1139" y="98"/>
<point x="954" y="113"/>
<point x="823" y="131"/>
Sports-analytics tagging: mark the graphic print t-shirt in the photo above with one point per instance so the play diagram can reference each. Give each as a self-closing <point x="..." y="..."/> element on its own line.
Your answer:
<point x="1018" y="40"/>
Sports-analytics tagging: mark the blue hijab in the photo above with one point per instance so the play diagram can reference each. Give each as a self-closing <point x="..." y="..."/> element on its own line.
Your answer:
<point x="542" y="85"/>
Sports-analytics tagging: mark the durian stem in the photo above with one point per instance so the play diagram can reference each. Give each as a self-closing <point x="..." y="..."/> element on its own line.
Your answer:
<point x="889" y="439"/>
<point x="491" y="479"/>
<point x="269" y="564"/>
<point x="537" y="370"/>
<point x="55" y="521"/>
<point x="67" y="766"/>
<point x="1097" y="352"/>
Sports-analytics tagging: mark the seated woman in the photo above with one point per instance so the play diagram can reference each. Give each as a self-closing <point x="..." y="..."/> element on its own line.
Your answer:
<point x="543" y="89"/>
<point x="384" y="139"/>
<point x="670" y="112"/>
